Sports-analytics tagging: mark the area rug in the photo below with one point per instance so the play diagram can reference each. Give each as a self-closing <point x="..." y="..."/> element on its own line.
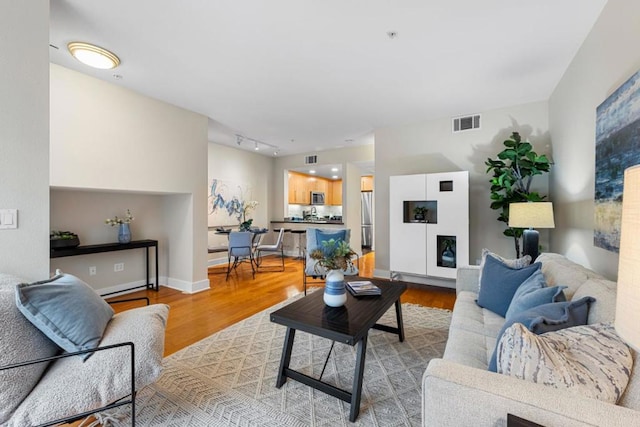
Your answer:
<point x="228" y="379"/>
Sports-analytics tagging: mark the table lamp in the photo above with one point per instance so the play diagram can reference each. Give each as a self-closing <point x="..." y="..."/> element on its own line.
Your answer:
<point x="627" y="321"/>
<point x="530" y="215"/>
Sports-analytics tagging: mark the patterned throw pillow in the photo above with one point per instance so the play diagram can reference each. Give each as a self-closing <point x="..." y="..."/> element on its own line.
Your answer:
<point x="513" y="263"/>
<point x="589" y="360"/>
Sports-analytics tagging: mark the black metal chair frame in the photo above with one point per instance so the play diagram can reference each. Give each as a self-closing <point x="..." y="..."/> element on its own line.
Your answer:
<point x="238" y="259"/>
<point x="120" y="402"/>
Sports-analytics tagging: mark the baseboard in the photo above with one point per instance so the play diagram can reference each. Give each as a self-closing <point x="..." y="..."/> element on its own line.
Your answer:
<point x="422" y="280"/>
<point x="188" y="287"/>
<point x="181" y="285"/>
<point x="217" y="261"/>
<point x="122" y="289"/>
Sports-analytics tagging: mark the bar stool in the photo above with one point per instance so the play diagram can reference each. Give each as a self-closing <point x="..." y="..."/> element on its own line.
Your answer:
<point x="299" y="233"/>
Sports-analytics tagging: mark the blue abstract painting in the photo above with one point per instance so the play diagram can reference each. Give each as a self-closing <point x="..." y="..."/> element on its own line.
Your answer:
<point x="617" y="148"/>
<point x="226" y="199"/>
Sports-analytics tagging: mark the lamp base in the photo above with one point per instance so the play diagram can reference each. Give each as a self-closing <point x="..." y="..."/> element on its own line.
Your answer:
<point x="530" y="239"/>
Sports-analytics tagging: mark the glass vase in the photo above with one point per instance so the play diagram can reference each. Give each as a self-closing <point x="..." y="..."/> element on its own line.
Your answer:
<point x="124" y="233"/>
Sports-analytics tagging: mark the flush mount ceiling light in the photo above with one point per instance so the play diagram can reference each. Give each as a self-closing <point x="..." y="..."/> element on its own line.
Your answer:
<point x="93" y="56"/>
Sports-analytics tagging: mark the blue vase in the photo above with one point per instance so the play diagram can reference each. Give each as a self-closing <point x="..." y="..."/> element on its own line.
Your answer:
<point x="335" y="294"/>
<point x="124" y="233"/>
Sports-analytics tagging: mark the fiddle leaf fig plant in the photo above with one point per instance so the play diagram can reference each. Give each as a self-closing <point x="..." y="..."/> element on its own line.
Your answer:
<point x="513" y="172"/>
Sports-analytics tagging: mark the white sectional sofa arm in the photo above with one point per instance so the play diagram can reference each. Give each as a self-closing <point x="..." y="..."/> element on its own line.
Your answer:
<point x="467" y="279"/>
<point x="458" y="395"/>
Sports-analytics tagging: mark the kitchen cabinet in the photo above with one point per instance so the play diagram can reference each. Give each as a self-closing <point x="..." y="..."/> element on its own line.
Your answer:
<point x="301" y="186"/>
<point x="366" y="183"/>
<point x="335" y="194"/>
<point x="299" y="189"/>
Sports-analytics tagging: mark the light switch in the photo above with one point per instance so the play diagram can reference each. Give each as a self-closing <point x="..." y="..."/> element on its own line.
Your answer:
<point x="8" y="218"/>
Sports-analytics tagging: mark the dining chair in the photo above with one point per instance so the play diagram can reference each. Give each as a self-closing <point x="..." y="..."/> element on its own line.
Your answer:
<point x="276" y="247"/>
<point x="241" y="250"/>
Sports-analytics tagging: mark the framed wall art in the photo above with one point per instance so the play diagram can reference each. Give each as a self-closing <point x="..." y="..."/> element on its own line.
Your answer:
<point x="617" y="148"/>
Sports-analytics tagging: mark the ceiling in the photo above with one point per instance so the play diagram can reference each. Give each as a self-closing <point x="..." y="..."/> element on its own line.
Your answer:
<point x="300" y="76"/>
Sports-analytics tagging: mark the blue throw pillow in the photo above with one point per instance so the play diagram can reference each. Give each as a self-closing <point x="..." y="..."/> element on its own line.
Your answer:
<point x="325" y="236"/>
<point x="533" y="292"/>
<point x="499" y="284"/>
<point x="66" y="310"/>
<point x="547" y="318"/>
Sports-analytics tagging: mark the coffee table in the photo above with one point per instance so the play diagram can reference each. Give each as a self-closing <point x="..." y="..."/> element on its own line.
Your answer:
<point x="349" y="324"/>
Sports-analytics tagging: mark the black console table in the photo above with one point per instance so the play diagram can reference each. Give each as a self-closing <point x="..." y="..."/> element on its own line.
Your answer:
<point x="112" y="247"/>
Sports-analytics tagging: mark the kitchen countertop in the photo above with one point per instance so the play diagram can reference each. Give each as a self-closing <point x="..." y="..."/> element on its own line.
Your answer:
<point x="289" y="221"/>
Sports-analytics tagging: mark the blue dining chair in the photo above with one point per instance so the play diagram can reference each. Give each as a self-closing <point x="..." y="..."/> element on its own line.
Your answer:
<point x="241" y="250"/>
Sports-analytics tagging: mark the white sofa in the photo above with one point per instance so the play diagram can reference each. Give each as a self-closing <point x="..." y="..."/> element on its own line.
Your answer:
<point x="458" y="390"/>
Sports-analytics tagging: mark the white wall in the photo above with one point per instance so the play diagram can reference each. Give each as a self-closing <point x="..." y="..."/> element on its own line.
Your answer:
<point x="255" y="170"/>
<point x="24" y="136"/>
<point x="430" y="147"/>
<point x="105" y="137"/>
<point x="607" y="58"/>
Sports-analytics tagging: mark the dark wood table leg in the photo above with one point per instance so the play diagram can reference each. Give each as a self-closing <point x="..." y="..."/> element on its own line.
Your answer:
<point x="357" y="380"/>
<point x="286" y="356"/>
<point x="399" y="320"/>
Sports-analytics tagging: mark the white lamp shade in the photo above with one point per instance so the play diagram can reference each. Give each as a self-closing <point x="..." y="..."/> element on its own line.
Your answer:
<point x="531" y="215"/>
<point x="628" y="295"/>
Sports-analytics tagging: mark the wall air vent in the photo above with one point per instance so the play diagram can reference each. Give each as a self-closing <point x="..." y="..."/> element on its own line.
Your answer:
<point x="460" y="124"/>
<point x="311" y="160"/>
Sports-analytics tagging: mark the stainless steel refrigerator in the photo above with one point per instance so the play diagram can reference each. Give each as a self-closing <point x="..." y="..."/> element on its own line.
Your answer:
<point x="366" y="198"/>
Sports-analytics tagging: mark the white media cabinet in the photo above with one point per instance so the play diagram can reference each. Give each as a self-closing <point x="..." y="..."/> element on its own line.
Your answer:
<point x="417" y="246"/>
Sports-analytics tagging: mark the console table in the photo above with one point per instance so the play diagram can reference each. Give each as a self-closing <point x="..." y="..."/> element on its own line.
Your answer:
<point x="113" y="247"/>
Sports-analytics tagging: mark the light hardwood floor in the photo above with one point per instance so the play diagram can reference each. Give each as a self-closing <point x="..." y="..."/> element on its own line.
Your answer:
<point x="193" y="317"/>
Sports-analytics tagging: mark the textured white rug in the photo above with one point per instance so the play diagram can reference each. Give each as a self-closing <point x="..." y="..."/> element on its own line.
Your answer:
<point x="228" y="379"/>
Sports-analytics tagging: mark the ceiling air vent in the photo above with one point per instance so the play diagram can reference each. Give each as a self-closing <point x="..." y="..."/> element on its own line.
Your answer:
<point x="465" y="123"/>
<point x="311" y="160"/>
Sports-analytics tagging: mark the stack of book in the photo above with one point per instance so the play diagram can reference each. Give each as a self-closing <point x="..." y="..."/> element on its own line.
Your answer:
<point x="363" y="288"/>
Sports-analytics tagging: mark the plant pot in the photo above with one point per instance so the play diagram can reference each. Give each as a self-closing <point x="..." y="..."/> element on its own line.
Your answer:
<point x="335" y="294"/>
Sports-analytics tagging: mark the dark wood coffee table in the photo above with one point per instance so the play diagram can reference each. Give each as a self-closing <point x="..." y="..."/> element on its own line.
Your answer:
<point x="349" y="324"/>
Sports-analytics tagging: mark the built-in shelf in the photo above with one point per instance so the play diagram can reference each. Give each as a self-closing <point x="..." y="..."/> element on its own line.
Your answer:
<point x="409" y="211"/>
<point x="446" y="251"/>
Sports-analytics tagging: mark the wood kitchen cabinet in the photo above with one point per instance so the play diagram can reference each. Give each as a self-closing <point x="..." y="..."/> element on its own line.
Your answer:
<point x="366" y="183"/>
<point x="335" y="195"/>
<point x="299" y="189"/>
<point x="301" y="186"/>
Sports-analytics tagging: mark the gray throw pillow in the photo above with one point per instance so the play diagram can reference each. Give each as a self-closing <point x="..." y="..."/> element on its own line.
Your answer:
<point x="66" y="310"/>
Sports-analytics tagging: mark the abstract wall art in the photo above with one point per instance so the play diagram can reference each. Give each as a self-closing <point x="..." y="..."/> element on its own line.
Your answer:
<point x="226" y="200"/>
<point x="617" y="148"/>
